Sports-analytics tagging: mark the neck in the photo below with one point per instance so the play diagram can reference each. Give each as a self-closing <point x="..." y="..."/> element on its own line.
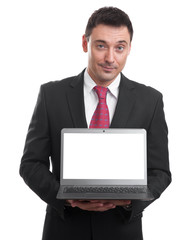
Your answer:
<point x="103" y="83"/>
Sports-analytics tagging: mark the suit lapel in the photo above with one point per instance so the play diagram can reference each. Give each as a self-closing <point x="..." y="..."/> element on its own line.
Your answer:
<point x="125" y="103"/>
<point x="76" y="101"/>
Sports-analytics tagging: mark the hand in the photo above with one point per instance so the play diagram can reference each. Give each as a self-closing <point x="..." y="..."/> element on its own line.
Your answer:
<point x="98" y="205"/>
<point x="92" y="205"/>
<point x="118" y="202"/>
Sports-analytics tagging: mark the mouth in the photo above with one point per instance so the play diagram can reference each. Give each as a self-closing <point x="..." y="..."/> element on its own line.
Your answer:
<point x="107" y="68"/>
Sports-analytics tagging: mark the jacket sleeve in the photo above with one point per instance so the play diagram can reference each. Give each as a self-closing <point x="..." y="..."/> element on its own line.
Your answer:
<point x="159" y="176"/>
<point x="35" y="163"/>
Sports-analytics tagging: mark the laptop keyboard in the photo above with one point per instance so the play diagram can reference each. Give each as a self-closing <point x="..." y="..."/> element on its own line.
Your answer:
<point x="105" y="190"/>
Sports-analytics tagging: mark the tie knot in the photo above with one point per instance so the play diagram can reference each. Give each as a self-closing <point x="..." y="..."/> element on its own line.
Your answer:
<point x="101" y="92"/>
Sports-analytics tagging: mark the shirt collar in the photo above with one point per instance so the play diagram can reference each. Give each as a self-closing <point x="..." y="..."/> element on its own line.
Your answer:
<point x="89" y="84"/>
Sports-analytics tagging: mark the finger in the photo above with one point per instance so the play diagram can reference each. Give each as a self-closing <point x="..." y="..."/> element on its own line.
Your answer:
<point x="127" y="202"/>
<point x="106" y="207"/>
<point x="86" y="204"/>
<point x="100" y="209"/>
<point x="92" y="201"/>
<point x="95" y="201"/>
<point x="119" y="202"/>
<point x="70" y="201"/>
<point x="93" y="206"/>
<point x="122" y="202"/>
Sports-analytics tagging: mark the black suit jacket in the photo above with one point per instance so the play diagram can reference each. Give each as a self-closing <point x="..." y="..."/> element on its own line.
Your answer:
<point x="61" y="105"/>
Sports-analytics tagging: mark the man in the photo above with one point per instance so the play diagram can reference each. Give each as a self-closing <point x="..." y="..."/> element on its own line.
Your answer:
<point x="70" y="103"/>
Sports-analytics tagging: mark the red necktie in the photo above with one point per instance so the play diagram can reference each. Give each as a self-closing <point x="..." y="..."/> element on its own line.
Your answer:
<point x="100" y="118"/>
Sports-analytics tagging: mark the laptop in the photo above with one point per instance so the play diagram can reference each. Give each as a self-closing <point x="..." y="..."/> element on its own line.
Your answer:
<point x="103" y="164"/>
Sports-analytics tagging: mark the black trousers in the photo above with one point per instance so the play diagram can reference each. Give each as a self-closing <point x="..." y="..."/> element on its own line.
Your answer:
<point x="85" y="225"/>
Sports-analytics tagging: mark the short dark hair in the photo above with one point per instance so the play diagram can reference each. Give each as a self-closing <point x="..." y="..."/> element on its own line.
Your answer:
<point x="109" y="16"/>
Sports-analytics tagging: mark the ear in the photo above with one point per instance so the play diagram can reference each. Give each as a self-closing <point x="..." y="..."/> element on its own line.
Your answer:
<point x="84" y="43"/>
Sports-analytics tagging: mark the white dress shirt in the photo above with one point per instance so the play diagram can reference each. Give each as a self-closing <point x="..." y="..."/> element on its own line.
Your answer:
<point x="91" y="98"/>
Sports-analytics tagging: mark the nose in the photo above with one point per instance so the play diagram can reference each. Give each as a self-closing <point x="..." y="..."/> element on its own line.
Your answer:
<point x="109" y="57"/>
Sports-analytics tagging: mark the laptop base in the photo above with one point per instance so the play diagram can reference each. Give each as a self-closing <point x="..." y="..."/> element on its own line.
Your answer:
<point x="145" y="196"/>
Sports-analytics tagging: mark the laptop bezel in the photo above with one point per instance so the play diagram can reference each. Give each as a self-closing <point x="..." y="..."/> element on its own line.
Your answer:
<point x="103" y="182"/>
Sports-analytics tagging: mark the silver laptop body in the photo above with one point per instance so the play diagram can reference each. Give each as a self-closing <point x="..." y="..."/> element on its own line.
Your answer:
<point x="103" y="164"/>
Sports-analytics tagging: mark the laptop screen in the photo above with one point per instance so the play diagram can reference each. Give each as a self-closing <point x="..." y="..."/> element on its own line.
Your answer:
<point x="103" y="154"/>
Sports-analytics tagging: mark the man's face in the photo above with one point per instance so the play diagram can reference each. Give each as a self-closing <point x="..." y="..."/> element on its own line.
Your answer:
<point x="108" y="48"/>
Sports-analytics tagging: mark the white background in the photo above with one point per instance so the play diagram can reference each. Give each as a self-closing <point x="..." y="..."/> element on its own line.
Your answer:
<point x="41" y="41"/>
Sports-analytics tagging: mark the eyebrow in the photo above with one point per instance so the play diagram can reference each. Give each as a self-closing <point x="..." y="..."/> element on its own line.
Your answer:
<point x="102" y="41"/>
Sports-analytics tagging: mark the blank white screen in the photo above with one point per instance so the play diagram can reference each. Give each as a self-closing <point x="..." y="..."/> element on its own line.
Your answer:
<point x="103" y="156"/>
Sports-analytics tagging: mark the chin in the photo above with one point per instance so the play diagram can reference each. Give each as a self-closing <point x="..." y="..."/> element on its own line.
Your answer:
<point x="108" y="76"/>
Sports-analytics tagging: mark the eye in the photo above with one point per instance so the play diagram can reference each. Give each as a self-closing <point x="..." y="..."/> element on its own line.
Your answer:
<point x="120" y="48"/>
<point x="100" y="46"/>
